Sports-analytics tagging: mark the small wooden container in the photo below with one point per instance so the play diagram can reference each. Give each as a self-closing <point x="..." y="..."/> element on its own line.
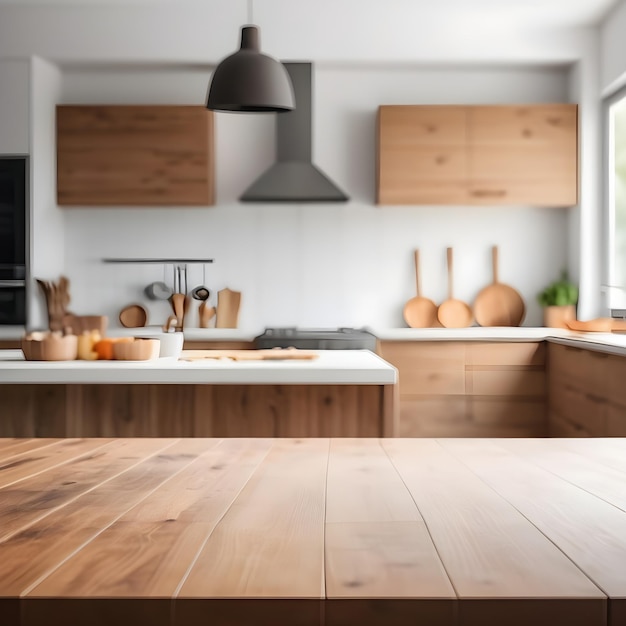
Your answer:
<point x="558" y="316"/>
<point x="140" y="349"/>
<point x="81" y="323"/>
<point x="50" y="347"/>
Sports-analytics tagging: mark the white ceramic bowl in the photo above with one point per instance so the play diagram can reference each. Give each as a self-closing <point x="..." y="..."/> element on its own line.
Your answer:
<point x="171" y="344"/>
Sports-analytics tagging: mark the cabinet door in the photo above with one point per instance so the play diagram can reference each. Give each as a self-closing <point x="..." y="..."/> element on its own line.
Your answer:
<point x="422" y="155"/>
<point x="134" y="155"/>
<point x="523" y="154"/>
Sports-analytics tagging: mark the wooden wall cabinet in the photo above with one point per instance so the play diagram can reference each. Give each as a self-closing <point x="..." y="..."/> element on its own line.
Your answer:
<point x="478" y="155"/>
<point x="422" y="155"/>
<point x="469" y="389"/>
<point x="134" y="155"/>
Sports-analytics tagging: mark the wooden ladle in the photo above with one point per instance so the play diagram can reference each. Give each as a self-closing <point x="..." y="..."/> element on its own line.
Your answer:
<point x="419" y="312"/>
<point x="453" y="313"/>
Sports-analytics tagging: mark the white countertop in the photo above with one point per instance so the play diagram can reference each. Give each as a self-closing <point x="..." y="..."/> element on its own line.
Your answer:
<point x="610" y="343"/>
<point x="332" y="367"/>
<point x="474" y="333"/>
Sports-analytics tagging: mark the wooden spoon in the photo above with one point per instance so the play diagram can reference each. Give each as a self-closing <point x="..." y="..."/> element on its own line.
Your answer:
<point x="419" y="312"/>
<point x="453" y="313"/>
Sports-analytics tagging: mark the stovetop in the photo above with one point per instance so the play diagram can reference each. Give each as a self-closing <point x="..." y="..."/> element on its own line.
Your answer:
<point x="316" y="338"/>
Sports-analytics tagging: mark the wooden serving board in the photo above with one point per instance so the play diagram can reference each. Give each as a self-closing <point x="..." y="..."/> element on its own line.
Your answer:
<point x="275" y="354"/>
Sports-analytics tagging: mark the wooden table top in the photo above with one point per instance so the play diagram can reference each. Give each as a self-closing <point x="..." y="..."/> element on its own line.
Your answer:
<point x="273" y="532"/>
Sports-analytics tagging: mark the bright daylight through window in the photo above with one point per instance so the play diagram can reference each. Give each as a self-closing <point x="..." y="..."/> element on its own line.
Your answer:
<point x="617" y="202"/>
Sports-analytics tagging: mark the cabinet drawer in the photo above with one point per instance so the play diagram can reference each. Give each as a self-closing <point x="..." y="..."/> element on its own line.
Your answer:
<point x="431" y="382"/>
<point x="516" y="354"/>
<point x="424" y="355"/>
<point x="504" y="382"/>
<point x="574" y="405"/>
<point x="432" y="417"/>
<point x="530" y="414"/>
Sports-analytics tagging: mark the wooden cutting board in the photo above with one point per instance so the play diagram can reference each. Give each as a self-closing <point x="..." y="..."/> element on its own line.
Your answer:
<point x="598" y="325"/>
<point x="275" y="354"/>
<point x="228" y="302"/>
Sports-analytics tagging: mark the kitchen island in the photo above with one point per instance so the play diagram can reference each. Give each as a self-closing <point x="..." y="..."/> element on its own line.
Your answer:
<point x="347" y="393"/>
<point x="304" y="532"/>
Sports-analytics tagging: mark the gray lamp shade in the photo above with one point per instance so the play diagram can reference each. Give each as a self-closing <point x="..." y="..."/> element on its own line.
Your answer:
<point x="250" y="81"/>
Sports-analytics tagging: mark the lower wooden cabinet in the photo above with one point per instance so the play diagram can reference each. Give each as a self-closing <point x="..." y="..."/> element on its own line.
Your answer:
<point x="157" y="410"/>
<point x="587" y="393"/>
<point x="469" y="389"/>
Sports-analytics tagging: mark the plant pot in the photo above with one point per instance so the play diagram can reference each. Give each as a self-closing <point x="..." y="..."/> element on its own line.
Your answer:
<point x="556" y="316"/>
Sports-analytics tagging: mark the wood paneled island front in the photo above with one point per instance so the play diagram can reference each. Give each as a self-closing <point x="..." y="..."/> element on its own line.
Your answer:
<point x="305" y="532"/>
<point x="341" y="393"/>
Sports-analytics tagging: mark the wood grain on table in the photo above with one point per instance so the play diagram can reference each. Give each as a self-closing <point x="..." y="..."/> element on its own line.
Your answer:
<point x="303" y="532"/>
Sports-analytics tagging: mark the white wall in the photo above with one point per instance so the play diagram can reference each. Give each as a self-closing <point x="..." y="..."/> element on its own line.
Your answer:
<point x="47" y="233"/>
<point x="367" y="46"/>
<point x="14" y="116"/>
<point x="362" y="31"/>
<point x="316" y="265"/>
<point x="613" y="54"/>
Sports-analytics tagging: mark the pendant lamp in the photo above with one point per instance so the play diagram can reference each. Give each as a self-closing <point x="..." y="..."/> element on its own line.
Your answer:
<point x="249" y="81"/>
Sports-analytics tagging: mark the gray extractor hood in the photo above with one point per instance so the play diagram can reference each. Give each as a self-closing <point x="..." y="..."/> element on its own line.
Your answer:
<point x="294" y="178"/>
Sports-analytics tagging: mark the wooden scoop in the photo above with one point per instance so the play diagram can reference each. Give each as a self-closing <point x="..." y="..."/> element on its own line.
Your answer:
<point x="419" y="312"/>
<point x="453" y="313"/>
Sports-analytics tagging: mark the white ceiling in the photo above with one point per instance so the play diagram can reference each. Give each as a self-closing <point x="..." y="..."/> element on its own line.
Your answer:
<point x="539" y="13"/>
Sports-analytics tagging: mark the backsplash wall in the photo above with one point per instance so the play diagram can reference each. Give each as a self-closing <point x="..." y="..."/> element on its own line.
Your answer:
<point x="322" y="264"/>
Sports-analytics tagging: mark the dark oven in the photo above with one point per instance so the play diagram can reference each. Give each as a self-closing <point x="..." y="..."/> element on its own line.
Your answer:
<point x="13" y="211"/>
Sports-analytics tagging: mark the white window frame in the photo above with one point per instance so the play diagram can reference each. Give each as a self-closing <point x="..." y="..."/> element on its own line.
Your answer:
<point x="615" y="294"/>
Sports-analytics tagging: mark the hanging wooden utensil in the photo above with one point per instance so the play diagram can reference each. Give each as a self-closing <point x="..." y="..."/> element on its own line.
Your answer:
<point x="205" y="314"/>
<point x="228" y="303"/>
<point x="453" y="313"/>
<point x="499" y="304"/>
<point x="133" y="316"/>
<point x="419" y="312"/>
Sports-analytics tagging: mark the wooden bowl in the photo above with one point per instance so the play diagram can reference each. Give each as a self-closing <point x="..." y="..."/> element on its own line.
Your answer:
<point x="51" y="347"/>
<point x="140" y="349"/>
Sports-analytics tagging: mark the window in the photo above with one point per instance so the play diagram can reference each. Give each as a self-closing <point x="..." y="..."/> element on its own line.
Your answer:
<point x="616" y="200"/>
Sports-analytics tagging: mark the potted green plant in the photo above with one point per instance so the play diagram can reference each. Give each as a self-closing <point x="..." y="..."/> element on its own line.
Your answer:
<point x="559" y="300"/>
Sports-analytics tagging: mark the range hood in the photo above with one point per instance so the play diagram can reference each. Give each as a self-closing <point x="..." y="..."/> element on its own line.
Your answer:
<point x="294" y="178"/>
